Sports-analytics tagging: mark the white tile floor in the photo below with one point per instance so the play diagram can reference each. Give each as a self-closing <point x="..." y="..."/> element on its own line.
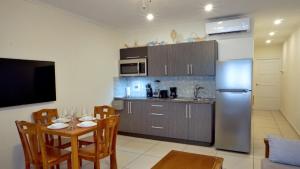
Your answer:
<point x="137" y="153"/>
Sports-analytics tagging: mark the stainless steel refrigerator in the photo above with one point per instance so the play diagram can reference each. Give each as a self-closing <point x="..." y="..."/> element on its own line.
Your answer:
<point x="233" y="105"/>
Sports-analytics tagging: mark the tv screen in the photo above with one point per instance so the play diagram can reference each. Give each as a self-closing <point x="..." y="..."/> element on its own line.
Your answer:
<point x="26" y="82"/>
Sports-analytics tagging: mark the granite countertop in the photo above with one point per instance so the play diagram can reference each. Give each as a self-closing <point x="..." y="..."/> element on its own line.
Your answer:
<point x="179" y="100"/>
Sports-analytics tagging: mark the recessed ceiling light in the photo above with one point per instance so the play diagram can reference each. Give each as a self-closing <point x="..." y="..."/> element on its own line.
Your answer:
<point x="150" y="16"/>
<point x="278" y="21"/>
<point x="272" y="33"/>
<point x="220" y="22"/>
<point x="268" y="41"/>
<point x="208" y="7"/>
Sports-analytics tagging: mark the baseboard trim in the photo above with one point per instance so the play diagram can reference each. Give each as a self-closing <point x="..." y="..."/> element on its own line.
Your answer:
<point x="167" y="139"/>
<point x="291" y="123"/>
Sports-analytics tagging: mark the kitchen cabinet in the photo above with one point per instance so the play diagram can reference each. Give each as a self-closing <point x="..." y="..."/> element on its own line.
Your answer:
<point x="132" y="117"/>
<point x="178" y="123"/>
<point x="158" y="62"/>
<point x="184" y="59"/>
<point x="157" y="118"/>
<point x="134" y="53"/>
<point x="192" y="122"/>
<point x="171" y="120"/>
<point x="202" y="58"/>
<point x="125" y="118"/>
<point x="201" y="122"/>
<point x="178" y="59"/>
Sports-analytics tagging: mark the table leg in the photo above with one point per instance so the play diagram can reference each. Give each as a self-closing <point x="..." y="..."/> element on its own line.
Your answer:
<point x="74" y="148"/>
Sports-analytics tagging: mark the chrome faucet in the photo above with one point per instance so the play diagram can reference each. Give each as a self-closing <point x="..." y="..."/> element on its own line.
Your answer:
<point x="197" y="89"/>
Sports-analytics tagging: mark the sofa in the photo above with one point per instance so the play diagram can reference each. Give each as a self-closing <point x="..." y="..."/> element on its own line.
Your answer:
<point x="268" y="164"/>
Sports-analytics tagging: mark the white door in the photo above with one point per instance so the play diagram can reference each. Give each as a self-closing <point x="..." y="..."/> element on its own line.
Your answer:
<point x="266" y="84"/>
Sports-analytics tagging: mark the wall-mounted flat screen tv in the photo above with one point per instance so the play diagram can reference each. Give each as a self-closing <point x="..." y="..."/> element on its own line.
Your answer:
<point x="26" y="81"/>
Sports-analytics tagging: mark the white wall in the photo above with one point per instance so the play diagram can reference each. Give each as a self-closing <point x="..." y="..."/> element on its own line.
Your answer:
<point x="86" y="57"/>
<point x="290" y="91"/>
<point x="268" y="52"/>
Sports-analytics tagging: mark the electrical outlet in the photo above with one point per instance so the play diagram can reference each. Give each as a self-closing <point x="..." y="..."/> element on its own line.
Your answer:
<point x="137" y="86"/>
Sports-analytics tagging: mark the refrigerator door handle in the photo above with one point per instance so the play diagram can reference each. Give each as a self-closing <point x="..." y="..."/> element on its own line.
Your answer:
<point x="233" y="90"/>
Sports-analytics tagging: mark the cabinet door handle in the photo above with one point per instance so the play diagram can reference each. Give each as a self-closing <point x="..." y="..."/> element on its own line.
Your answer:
<point x="157" y="127"/>
<point x="188" y="69"/>
<point x="132" y="57"/>
<point x="128" y="107"/>
<point x="157" y="105"/>
<point x="157" y="114"/>
<point x="166" y="70"/>
<point x="191" y="68"/>
<point x="190" y="114"/>
<point x="186" y="111"/>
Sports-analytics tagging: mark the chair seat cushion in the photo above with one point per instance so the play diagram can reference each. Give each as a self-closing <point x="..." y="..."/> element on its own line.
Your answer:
<point x="267" y="164"/>
<point x="284" y="151"/>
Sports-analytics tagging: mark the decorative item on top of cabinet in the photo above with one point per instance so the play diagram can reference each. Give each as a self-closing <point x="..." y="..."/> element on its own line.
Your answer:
<point x="195" y="38"/>
<point x="174" y="35"/>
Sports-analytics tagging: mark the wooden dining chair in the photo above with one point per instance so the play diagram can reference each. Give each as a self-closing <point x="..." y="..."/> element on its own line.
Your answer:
<point x="105" y="145"/>
<point x="101" y="112"/>
<point x="35" y="150"/>
<point x="45" y="117"/>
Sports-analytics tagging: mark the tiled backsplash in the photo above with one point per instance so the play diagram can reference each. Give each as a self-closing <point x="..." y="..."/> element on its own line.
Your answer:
<point x="185" y="85"/>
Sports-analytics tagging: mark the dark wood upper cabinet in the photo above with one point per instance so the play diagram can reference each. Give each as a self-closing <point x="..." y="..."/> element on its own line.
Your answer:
<point x="158" y="62"/>
<point x="202" y="58"/>
<point x="184" y="59"/>
<point x="134" y="53"/>
<point x="178" y="59"/>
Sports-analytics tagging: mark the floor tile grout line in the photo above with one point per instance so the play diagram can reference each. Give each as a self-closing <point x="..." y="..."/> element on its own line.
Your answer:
<point x="125" y="166"/>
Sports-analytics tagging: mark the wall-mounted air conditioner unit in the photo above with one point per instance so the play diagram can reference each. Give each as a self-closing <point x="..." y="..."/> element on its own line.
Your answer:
<point x="228" y="26"/>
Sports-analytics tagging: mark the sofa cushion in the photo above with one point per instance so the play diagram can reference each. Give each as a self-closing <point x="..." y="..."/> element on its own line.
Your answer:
<point x="284" y="151"/>
<point x="267" y="164"/>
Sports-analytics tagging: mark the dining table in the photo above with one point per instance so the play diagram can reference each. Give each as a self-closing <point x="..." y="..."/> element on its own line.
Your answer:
<point x="73" y="132"/>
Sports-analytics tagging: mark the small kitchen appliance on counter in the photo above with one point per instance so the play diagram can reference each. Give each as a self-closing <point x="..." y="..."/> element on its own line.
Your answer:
<point x="173" y="92"/>
<point x="149" y="91"/>
<point x="163" y="94"/>
<point x="156" y="91"/>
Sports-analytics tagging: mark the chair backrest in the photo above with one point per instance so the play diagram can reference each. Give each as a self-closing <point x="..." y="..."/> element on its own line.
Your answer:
<point x="104" y="111"/>
<point x="29" y="139"/>
<point x="106" y="135"/>
<point x="44" y="116"/>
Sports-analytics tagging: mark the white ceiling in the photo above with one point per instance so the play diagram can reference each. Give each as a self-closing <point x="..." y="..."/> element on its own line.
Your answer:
<point x="126" y="14"/>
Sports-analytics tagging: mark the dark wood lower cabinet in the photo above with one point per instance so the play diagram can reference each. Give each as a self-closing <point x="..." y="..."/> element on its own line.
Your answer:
<point x="169" y="120"/>
<point x="178" y="121"/>
<point x="133" y="118"/>
<point x="201" y="122"/>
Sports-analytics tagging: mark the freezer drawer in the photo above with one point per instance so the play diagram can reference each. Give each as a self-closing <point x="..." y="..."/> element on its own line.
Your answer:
<point x="233" y="121"/>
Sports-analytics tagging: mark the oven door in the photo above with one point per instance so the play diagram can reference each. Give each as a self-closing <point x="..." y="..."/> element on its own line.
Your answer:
<point x="133" y="67"/>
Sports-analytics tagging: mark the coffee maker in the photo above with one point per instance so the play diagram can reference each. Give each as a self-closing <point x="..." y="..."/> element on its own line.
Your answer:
<point x="149" y="91"/>
<point x="173" y="92"/>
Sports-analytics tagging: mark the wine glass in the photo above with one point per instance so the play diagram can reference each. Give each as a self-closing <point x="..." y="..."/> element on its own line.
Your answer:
<point x="84" y="111"/>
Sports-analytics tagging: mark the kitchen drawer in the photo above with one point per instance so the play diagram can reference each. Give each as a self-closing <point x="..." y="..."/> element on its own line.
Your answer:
<point x="158" y="107"/>
<point x="158" y="126"/>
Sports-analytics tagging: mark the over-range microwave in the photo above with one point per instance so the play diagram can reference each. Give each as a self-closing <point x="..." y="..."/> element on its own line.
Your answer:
<point x="133" y="67"/>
